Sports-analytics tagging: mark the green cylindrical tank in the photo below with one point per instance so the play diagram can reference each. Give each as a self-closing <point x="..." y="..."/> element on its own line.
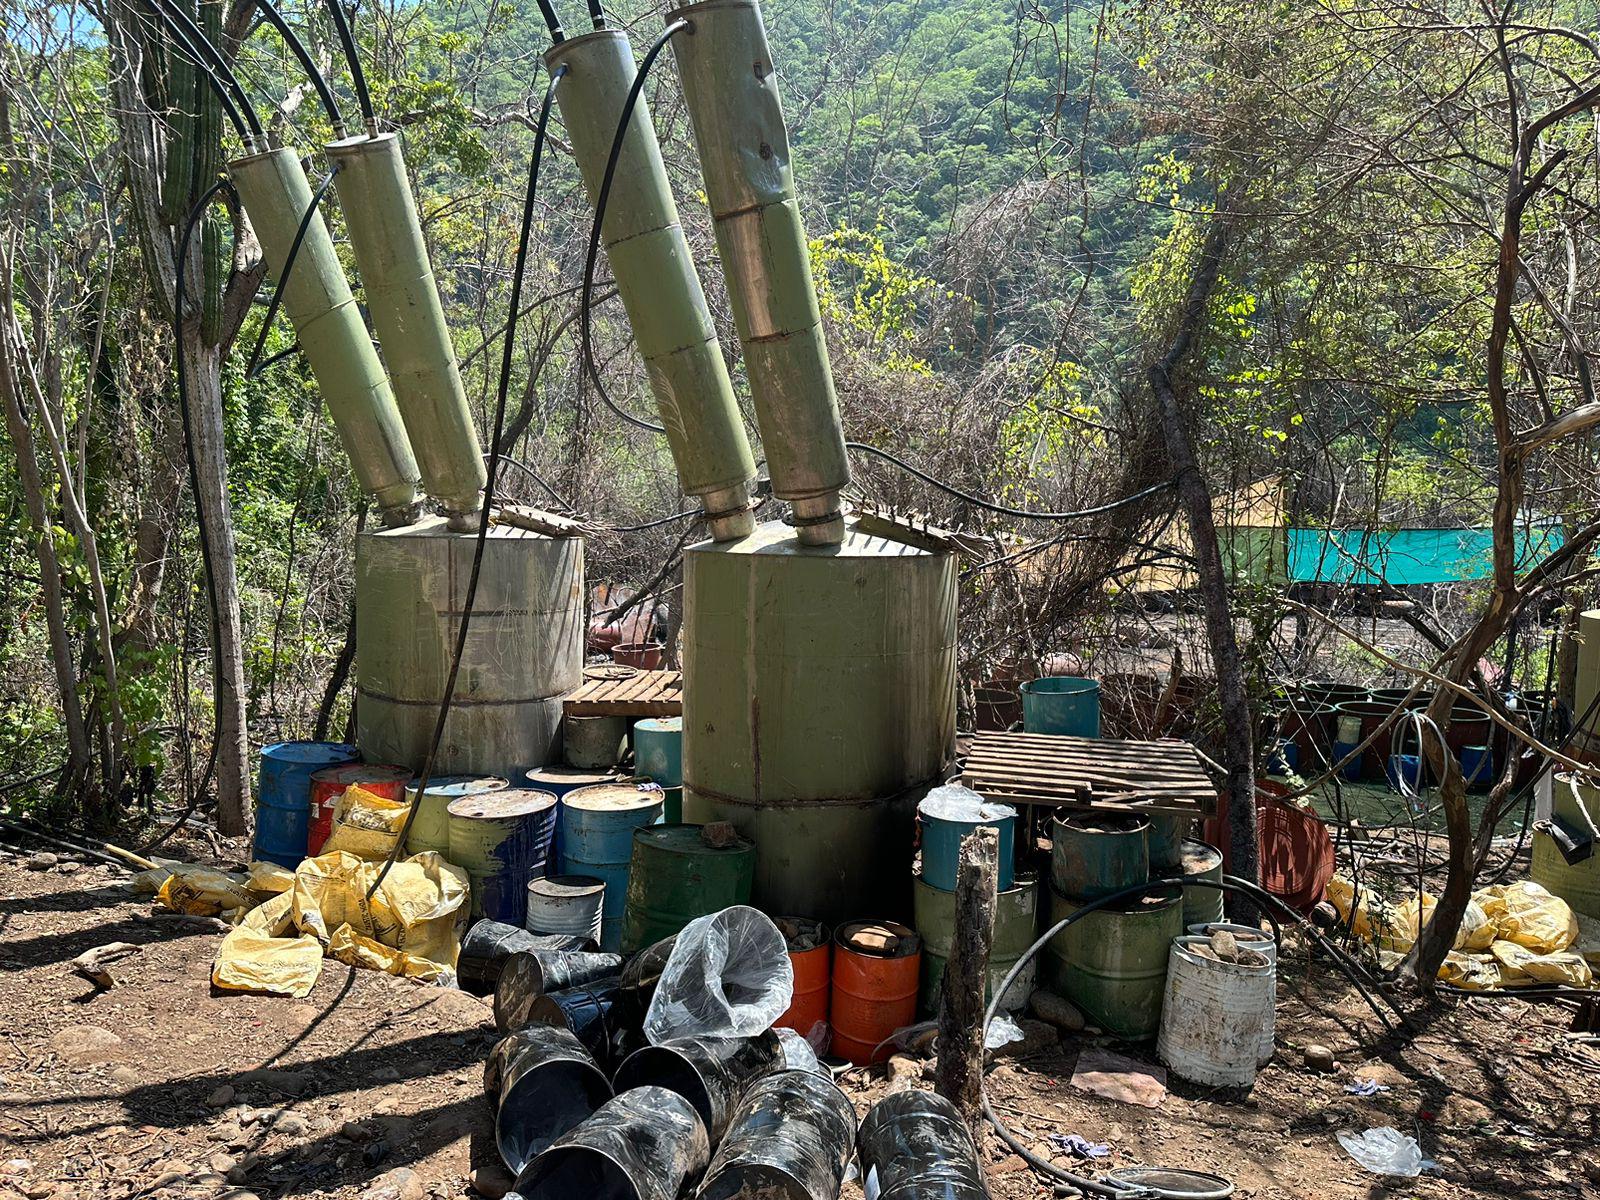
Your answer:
<point x="1586" y="681"/>
<point x="1016" y="918"/>
<point x="675" y="876"/>
<point x="731" y="90"/>
<point x="656" y="279"/>
<point x="275" y="193"/>
<point x="1113" y="963"/>
<point x="1577" y="805"/>
<point x="818" y="707"/>
<point x="403" y="297"/>
<point x="524" y="649"/>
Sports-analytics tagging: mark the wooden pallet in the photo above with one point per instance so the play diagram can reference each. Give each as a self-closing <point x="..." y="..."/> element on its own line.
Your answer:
<point x="626" y="692"/>
<point x="1087" y="773"/>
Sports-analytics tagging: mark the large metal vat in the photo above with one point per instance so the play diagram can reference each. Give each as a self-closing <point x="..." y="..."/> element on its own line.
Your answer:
<point x="1576" y="883"/>
<point x="819" y="705"/>
<point x="524" y="646"/>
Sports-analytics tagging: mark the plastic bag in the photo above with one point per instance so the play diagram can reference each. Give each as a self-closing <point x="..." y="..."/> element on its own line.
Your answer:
<point x="1002" y="1031"/>
<point x="206" y="892"/>
<point x="1385" y="1151"/>
<point x="1475" y="972"/>
<point x="251" y="961"/>
<point x="269" y="879"/>
<point x="1528" y="915"/>
<point x="798" y="1054"/>
<point x="729" y="975"/>
<point x="953" y="802"/>
<point x="1519" y="965"/>
<point x="365" y="824"/>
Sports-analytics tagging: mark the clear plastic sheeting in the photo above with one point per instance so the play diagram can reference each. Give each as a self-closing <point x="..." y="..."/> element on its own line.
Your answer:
<point x="729" y="975"/>
<point x="953" y="802"/>
<point x="798" y="1054"/>
<point x="1386" y="1151"/>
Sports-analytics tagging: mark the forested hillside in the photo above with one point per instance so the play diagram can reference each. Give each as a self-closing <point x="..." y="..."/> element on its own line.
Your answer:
<point x="1370" y="234"/>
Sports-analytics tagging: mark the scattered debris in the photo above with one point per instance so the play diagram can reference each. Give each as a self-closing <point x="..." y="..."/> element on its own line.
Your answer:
<point x="1105" y="1073"/>
<point x="1384" y="1150"/>
<point x="91" y="964"/>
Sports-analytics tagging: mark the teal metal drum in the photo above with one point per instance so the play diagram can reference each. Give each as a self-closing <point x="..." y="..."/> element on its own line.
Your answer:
<point x="430" y="828"/>
<point x="1112" y="963"/>
<point x="1096" y="854"/>
<point x="947" y="815"/>
<point x="283" y="796"/>
<point x="658" y="750"/>
<point x="1167" y="832"/>
<point x="597" y="827"/>
<point x="1201" y="905"/>
<point x="1016" y="920"/>
<point x="501" y="839"/>
<point x="1064" y="704"/>
<point x="675" y="876"/>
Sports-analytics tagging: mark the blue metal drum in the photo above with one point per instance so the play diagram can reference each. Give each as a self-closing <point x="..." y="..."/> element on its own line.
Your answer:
<point x="947" y="815"/>
<point x="658" y="749"/>
<point x="501" y="839"/>
<point x="597" y="825"/>
<point x="283" y="796"/>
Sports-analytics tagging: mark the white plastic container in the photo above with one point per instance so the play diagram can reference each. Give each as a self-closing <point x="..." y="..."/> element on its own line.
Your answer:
<point x="1215" y="1017"/>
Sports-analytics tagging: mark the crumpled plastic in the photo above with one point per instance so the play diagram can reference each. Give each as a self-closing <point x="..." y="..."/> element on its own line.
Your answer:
<point x="269" y="878"/>
<point x="1511" y="935"/>
<point x="411" y="927"/>
<point x="798" y="1054"/>
<point x="728" y="975"/>
<point x="1384" y="1150"/>
<point x="206" y="892"/>
<point x="1079" y="1146"/>
<point x="365" y="824"/>
<point x="1527" y="914"/>
<point x="953" y="802"/>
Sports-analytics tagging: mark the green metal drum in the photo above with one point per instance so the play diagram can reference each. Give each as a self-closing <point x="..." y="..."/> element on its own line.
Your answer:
<point x="1576" y="883"/>
<point x="1016" y="918"/>
<point x="675" y="877"/>
<point x="1094" y="855"/>
<point x="1167" y="831"/>
<point x="430" y="828"/>
<point x="1113" y="963"/>
<point x="1201" y="861"/>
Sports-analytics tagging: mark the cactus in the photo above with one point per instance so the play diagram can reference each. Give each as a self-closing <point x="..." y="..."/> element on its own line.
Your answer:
<point x="186" y="88"/>
<point x="207" y="166"/>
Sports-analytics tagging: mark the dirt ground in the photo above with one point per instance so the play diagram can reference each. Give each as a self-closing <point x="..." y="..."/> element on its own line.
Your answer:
<point x="371" y="1087"/>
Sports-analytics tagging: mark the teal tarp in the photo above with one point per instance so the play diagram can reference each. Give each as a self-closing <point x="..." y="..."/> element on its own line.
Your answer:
<point x="1406" y="556"/>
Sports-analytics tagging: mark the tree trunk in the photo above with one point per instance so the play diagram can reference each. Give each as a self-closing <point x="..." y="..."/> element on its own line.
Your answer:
<point x="1195" y="497"/>
<point x="202" y="366"/>
<point x="152" y="535"/>
<point x="959" y="1073"/>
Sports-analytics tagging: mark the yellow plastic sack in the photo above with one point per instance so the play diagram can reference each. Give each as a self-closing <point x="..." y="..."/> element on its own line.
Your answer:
<point x="1476" y="972"/>
<point x="350" y="947"/>
<point x="268" y="878"/>
<point x="1519" y="965"/>
<point x="422" y="907"/>
<point x="1526" y="914"/>
<point x="365" y="824"/>
<point x="206" y="892"/>
<point x="1477" y="932"/>
<point x="251" y="961"/>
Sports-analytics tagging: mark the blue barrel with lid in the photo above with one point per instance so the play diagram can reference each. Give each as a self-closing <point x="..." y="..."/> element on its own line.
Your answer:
<point x="658" y="749"/>
<point x="283" y="796"/>
<point x="947" y="814"/>
<point x="597" y="825"/>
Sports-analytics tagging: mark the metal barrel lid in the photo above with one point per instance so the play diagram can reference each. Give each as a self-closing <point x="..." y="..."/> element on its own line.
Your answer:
<point x="501" y="804"/>
<point x="566" y="778"/>
<point x="659" y="724"/>
<point x="355" y="772"/>
<point x="623" y="796"/>
<point x="1174" y="1183"/>
<point x="459" y="785"/>
<point x="863" y="937"/>
<point x="686" y="839"/>
<point x="566" y="887"/>
<point x="310" y="752"/>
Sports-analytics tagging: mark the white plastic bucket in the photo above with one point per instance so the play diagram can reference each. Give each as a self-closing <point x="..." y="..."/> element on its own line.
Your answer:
<point x="1263" y="942"/>
<point x="1215" y="1017"/>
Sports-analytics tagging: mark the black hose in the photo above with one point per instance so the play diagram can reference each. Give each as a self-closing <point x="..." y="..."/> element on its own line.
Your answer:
<point x="1006" y="509"/>
<point x="503" y="388"/>
<point x="658" y="522"/>
<point x="209" y="61"/>
<point x="533" y="475"/>
<point x="600" y="203"/>
<point x="307" y="63"/>
<point x="204" y="529"/>
<point x="288" y="266"/>
<point x="1347" y="966"/>
<point x="352" y="58"/>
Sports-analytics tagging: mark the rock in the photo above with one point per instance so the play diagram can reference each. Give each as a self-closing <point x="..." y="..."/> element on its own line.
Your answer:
<point x="1009" y="1165"/>
<point x="491" y="1181"/>
<point x="37" y="1189"/>
<point x="222" y="1162"/>
<point x="402" y="1183"/>
<point x="88" y="1045"/>
<point x="227" y="1133"/>
<point x="165" y="1178"/>
<point x="239" y="1174"/>
<point x="15" y="1166"/>
<point x="357" y="1131"/>
<point x="41" y="861"/>
<point x="291" y="1125"/>
<point x="124" y="1077"/>
<point x="220" y="1098"/>
<point x="1060" y="1012"/>
<point x="209" y="1179"/>
<point x="1319" y="1058"/>
<point x="234" y="1193"/>
<point x="1460" y="1111"/>
<point x="719" y="835"/>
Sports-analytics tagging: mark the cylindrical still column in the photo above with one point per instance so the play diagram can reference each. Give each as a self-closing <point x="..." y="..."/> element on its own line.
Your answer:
<point x="397" y="278"/>
<point x="656" y="279"/>
<point x="316" y="298"/>
<point x="732" y="95"/>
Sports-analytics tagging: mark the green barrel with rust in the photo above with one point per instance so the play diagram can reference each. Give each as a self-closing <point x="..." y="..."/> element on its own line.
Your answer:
<point x="676" y="875"/>
<point x="1112" y="963"/>
<point x="1016" y="919"/>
